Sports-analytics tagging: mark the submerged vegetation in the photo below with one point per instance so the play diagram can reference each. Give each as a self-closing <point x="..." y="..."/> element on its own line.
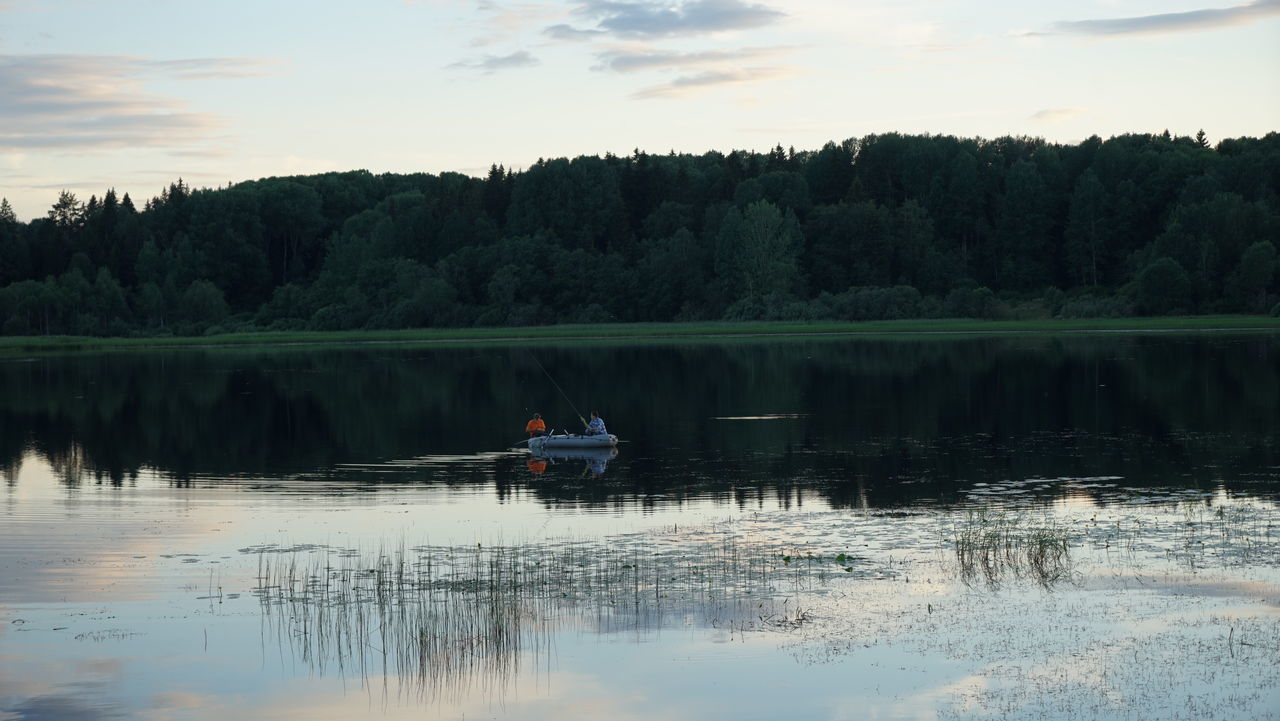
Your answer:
<point x="996" y="545"/>
<point x="445" y="617"/>
<point x="882" y="227"/>
<point x="441" y="622"/>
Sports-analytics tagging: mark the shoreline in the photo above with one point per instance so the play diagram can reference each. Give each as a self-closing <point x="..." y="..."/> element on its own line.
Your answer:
<point x="649" y="332"/>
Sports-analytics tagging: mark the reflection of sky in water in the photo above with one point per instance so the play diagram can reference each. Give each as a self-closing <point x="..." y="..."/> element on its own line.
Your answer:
<point x="136" y="601"/>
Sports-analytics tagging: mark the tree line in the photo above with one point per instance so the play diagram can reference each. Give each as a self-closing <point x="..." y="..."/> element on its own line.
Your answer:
<point x="879" y="227"/>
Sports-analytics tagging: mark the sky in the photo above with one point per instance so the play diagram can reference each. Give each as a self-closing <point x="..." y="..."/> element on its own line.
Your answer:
<point x="134" y="94"/>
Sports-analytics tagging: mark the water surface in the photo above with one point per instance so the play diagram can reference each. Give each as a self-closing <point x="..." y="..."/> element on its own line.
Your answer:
<point x="801" y="528"/>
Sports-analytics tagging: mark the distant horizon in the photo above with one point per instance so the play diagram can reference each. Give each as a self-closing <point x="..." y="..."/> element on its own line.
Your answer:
<point x="134" y="94"/>
<point x="140" y="197"/>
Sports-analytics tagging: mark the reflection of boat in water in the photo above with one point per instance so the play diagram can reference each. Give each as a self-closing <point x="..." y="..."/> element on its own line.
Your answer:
<point x="577" y="454"/>
<point x="597" y="458"/>
<point x="544" y="444"/>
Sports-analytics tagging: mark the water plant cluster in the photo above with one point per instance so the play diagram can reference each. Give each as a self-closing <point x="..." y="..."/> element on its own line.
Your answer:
<point x="441" y="623"/>
<point x="992" y="545"/>
<point x="441" y="618"/>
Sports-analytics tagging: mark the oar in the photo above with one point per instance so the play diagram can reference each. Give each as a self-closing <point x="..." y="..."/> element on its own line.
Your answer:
<point x="526" y="441"/>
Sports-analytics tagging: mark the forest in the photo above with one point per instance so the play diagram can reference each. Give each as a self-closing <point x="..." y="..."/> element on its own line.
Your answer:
<point x="873" y="228"/>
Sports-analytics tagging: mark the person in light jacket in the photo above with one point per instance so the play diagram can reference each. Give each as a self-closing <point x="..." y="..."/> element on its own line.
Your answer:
<point x="596" y="426"/>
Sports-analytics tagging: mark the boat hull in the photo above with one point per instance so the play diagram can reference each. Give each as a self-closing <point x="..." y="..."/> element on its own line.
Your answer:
<point x="576" y="454"/>
<point x="547" y="443"/>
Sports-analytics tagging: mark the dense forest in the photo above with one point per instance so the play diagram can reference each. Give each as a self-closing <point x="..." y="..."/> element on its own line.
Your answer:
<point x="879" y="227"/>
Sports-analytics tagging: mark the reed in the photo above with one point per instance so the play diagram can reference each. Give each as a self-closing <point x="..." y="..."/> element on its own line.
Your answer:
<point x="443" y="620"/>
<point x="996" y="546"/>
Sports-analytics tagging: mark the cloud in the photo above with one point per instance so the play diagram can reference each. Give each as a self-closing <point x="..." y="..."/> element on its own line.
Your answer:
<point x="211" y="68"/>
<point x="1169" y="22"/>
<point x="568" y="33"/>
<point x="100" y="101"/>
<point x="1057" y="115"/>
<point x="697" y="83"/>
<point x="494" y="63"/>
<point x="502" y="23"/>
<point x="648" y="19"/>
<point x="633" y="59"/>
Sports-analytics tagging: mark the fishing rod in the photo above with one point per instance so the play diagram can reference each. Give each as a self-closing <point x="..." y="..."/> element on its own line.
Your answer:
<point x="557" y="385"/>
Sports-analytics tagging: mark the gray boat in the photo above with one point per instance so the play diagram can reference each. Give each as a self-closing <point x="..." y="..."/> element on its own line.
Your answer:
<point x="539" y="444"/>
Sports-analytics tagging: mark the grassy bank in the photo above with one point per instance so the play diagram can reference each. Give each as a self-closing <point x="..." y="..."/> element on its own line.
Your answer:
<point x="624" y="331"/>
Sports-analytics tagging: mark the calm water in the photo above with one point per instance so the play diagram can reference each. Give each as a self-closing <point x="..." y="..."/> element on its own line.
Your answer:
<point x="796" y="529"/>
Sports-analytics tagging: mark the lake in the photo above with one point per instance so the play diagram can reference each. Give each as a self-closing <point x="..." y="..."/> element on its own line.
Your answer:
<point x="919" y="527"/>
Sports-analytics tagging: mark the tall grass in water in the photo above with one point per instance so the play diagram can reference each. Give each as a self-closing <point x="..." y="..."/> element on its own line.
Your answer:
<point x="445" y="621"/>
<point x="994" y="547"/>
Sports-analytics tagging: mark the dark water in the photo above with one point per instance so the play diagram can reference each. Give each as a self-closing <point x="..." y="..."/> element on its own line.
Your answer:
<point x="879" y="422"/>
<point x="915" y="528"/>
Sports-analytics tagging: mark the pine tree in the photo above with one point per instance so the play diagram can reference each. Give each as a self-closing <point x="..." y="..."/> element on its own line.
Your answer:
<point x="68" y="212"/>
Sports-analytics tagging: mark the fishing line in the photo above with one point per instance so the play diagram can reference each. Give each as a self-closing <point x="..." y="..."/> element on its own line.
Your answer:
<point x="557" y="385"/>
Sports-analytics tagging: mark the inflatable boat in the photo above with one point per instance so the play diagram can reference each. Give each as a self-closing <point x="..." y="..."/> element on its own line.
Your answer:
<point x="576" y="454"/>
<point x="538" y="444"/>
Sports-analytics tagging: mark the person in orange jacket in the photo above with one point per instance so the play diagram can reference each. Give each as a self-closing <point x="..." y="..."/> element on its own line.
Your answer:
<point x="535" y="426"/>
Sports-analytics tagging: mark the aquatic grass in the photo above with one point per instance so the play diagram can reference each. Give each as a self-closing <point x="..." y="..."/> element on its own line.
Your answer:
<point x="443" y="618"/>
<point x="1195" y="534"/>
<point x="996" y="545"/>
<point x="436" y="623"/>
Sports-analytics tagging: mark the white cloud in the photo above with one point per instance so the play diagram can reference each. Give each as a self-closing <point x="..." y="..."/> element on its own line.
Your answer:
<point x="1205" y="19"/>
<point x="505" y="22"/>
<point x="494" y="63"/>
<point x="626" y="59"/>
<point x="1057" y="115"/>
<point x="699" y="83"/>
<point x="568" y="33"/>
<point x="647" y="19"/>
<point x="62" y="102"/>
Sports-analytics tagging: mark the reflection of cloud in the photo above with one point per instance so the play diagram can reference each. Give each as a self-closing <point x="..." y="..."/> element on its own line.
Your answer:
<point x="1057" y="115"/>
<point x="693" y="84"/>
<point x="626" y="60"/>
<point x="110" y="668"/>
<point x="560" y="695"/>
<point x="646" y="19"/>
<point x="90" y="561"/>
<point x="1171" y="22"/>
<point x="64" y="708"/>
<point x="165" y="704"/>
<point x="494" y="63"/>
<point x="98" y="101"/>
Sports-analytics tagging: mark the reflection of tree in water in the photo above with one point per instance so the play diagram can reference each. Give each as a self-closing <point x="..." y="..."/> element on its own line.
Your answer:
<point x="447" y="621"/>
<point x="886" y="420"/>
